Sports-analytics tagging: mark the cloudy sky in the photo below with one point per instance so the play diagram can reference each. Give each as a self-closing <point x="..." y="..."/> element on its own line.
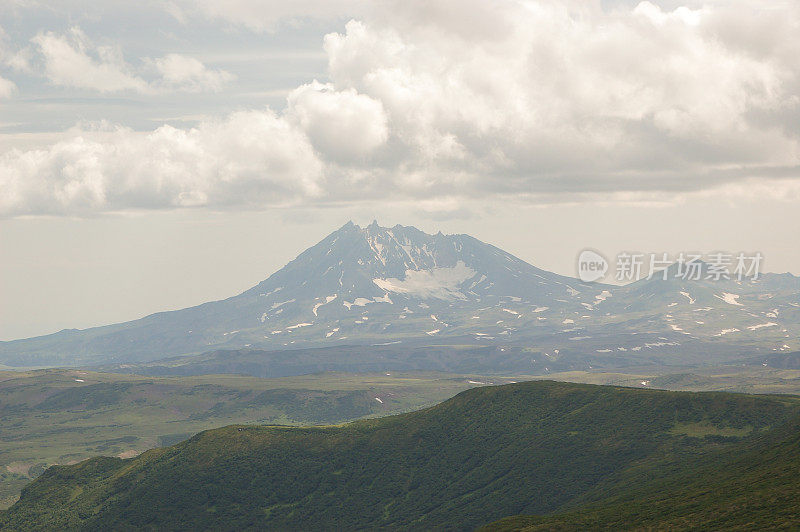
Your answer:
<point x="155" y="155"/>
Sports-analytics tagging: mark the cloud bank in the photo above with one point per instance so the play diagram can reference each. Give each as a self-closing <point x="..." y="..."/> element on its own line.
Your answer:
<point x="542" y="100"/>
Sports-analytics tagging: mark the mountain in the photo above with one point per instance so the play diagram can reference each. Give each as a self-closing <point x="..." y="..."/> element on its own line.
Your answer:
<point x="526" y="448"/>
<point x="366" y="286"/>
<point x="357" y="284"/>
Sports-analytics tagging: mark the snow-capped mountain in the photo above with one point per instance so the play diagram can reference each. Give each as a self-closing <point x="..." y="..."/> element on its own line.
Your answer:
<point x="384" y="286"/>
<point x="384" y="270"/>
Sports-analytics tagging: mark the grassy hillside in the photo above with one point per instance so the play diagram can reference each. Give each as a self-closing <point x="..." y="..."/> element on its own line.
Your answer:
<point x="528" y="448"/>
<point x="753" y="486"/>
<point x="64" y="416"/>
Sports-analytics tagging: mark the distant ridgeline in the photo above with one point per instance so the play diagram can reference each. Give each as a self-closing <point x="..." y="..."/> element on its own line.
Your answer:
<point x="575" y="455"/>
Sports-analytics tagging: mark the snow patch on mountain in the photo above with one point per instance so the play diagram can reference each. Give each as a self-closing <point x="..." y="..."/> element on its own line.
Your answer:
<point x="357" y="302"/>
<point x="729" y="298"/>
<point x="327" y="300"/>
<point x="602" y="296"/>
<point x="689" y="297"/>
<point x="437" y="283"/>
<point x="762" y="325"/>
<point x="364" y="301"/>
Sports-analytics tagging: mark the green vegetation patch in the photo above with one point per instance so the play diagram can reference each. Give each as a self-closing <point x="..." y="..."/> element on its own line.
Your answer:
<point x="703" y="429"/>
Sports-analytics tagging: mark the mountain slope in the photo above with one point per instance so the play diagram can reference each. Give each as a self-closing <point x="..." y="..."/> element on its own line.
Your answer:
<point x="488" y="452"/>
<point x="751" y="487"/>
<point x="756" y="312"/>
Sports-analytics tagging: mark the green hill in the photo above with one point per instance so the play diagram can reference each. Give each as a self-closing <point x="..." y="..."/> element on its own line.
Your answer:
<point x="528" y="448"/>
<point x="755" y="486"/>
<point x="63" y="416"/>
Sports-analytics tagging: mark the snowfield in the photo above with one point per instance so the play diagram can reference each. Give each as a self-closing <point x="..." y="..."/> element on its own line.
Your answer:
<point x="438" y="283"/>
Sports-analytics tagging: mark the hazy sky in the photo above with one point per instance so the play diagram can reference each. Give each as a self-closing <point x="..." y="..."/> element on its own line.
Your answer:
<point x="160" y="154"/>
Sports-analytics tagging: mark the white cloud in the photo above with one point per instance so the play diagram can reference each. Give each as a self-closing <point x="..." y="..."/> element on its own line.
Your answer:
<point x="551" y="101"/>
<point x="7" y="88"/>
<point x="343" y="125"/>
<point x="187" y="73"/>
<point x="73" y="60"/>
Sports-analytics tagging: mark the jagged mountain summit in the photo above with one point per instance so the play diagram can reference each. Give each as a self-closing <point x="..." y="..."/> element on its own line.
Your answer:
<point x="375" y="285"/>
<point x="389" y="268"/>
